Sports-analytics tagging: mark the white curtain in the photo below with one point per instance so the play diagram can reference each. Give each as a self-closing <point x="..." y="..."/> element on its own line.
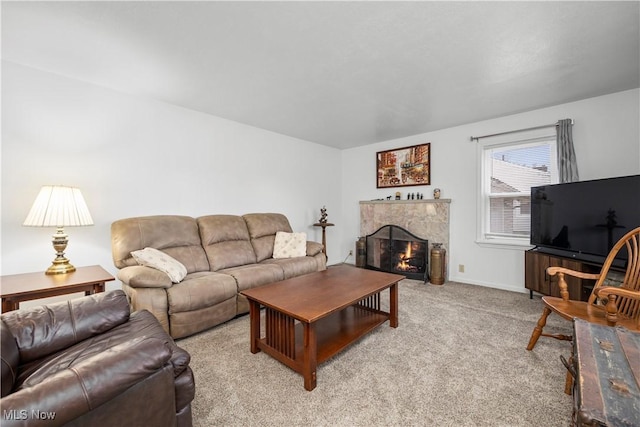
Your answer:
<point x="567" y="165"/>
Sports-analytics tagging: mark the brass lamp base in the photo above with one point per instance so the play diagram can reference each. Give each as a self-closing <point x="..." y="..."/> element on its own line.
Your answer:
<point x="60" y="265"/>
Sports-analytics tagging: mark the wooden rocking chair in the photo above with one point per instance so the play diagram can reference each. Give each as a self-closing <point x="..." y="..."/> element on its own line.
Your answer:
<point x="607" y="305"/>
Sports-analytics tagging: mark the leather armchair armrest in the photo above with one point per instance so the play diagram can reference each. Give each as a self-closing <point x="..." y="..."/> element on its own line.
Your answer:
<point x="79" y="389"/>
<point x="138" y="276"/>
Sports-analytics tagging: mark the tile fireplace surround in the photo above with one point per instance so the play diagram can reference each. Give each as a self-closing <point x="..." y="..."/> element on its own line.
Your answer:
<point x="427" y="219"/>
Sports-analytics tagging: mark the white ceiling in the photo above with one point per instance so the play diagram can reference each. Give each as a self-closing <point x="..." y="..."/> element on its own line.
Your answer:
<point x="342" y="74"/>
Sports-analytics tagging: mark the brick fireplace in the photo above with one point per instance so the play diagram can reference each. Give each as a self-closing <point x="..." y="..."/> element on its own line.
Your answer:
<point x="427" y="218"/>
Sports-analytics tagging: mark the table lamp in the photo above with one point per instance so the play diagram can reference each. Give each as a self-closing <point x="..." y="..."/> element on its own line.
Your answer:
<point x="59" y="206"/>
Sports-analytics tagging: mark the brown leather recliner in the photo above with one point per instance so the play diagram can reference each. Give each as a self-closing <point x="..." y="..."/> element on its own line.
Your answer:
<point x="89" y="361"/>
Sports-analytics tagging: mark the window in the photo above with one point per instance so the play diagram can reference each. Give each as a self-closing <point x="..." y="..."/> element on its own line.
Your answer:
<point x="508" y="170"/>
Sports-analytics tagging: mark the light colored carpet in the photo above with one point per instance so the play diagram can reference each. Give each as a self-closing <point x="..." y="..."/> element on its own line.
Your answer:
<point x="458" y="358"/>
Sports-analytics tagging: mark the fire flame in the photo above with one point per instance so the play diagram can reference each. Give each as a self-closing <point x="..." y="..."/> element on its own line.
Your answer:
<point x="403" y="264"/>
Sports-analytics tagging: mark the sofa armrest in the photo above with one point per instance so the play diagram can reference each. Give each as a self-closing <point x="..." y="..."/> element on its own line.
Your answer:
<point x="313" y="248"/>
<point x="138" y="276"/>
<point x="72" y="392"/>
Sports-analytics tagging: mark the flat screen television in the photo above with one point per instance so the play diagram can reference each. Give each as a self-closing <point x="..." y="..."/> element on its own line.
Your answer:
<point x="583" y="220"/>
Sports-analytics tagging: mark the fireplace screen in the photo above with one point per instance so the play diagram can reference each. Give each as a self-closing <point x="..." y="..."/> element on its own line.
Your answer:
<point x="395" y="250"/>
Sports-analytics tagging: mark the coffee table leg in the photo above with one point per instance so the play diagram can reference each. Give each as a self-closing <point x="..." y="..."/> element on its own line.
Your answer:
<point x="254" y="318"/>
<point x="393" y="305"/>
<point x="309" y="356"/>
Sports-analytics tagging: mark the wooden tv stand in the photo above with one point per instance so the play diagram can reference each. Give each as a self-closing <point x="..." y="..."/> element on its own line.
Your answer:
<point x="536" y="278"/>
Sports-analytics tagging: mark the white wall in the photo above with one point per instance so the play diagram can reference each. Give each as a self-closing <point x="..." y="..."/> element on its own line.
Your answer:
<point x="607" y="142"/>
<point x="132" y="156"/>
<point x="135" y="156"/>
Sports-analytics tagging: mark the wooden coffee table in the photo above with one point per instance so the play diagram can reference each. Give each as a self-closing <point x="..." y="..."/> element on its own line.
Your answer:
<point x="310" y="318"/>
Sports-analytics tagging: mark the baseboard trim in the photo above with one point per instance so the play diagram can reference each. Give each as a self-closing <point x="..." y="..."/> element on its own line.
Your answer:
<point x="460" y="279"/>
<point x="504" y="287"/>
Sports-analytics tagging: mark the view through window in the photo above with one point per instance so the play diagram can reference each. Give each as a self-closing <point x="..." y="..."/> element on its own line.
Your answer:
<point x="510" y="172"/>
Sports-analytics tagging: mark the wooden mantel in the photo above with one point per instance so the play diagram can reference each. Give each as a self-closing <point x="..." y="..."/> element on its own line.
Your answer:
<point x="405" y="202"/>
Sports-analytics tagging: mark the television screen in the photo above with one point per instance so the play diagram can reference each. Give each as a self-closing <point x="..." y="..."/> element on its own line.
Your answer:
<point x="583" y="220"/>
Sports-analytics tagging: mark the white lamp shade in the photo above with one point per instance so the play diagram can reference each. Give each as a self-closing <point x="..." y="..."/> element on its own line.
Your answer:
<point x="59" y="206"/>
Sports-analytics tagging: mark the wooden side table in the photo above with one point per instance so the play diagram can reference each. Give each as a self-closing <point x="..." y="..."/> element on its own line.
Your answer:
<point x="324" y="226"/>
<point x="29" y="286"/>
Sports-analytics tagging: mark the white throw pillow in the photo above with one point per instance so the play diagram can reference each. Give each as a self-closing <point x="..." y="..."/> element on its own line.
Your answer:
<point x="290" y="245"/>
<point x="154" y="258"/>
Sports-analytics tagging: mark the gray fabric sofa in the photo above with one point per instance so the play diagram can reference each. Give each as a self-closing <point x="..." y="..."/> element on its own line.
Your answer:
<point x="223" y="255"/>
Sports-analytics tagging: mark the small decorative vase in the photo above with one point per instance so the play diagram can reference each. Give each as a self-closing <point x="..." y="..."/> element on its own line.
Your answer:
<point x="436" y="193"/>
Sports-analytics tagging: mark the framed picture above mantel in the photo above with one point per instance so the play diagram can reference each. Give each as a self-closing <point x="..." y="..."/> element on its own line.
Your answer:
<point x="404" y="167"/>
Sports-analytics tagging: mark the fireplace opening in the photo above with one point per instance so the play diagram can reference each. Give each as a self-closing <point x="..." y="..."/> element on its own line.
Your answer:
<point x="396" y="250"/>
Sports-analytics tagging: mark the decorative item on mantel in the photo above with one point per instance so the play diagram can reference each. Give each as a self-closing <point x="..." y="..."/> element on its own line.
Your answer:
<point x="322" y="222"/>
<point x="436" y="193"/>
<point x="415" y="196"/>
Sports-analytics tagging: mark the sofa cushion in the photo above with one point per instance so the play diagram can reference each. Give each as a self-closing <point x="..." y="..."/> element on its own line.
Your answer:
<point x="293" y="267"/>
<point x="289" y="245"/>
<point x="175" y="235"/>
<point x="141" y="324"/>
<point x="251" y="276"/>
<point x="150" y="257"/>
<point x="225" y="239"/>
<point x="200" y="290"/>
<point x="262" y="231"/>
